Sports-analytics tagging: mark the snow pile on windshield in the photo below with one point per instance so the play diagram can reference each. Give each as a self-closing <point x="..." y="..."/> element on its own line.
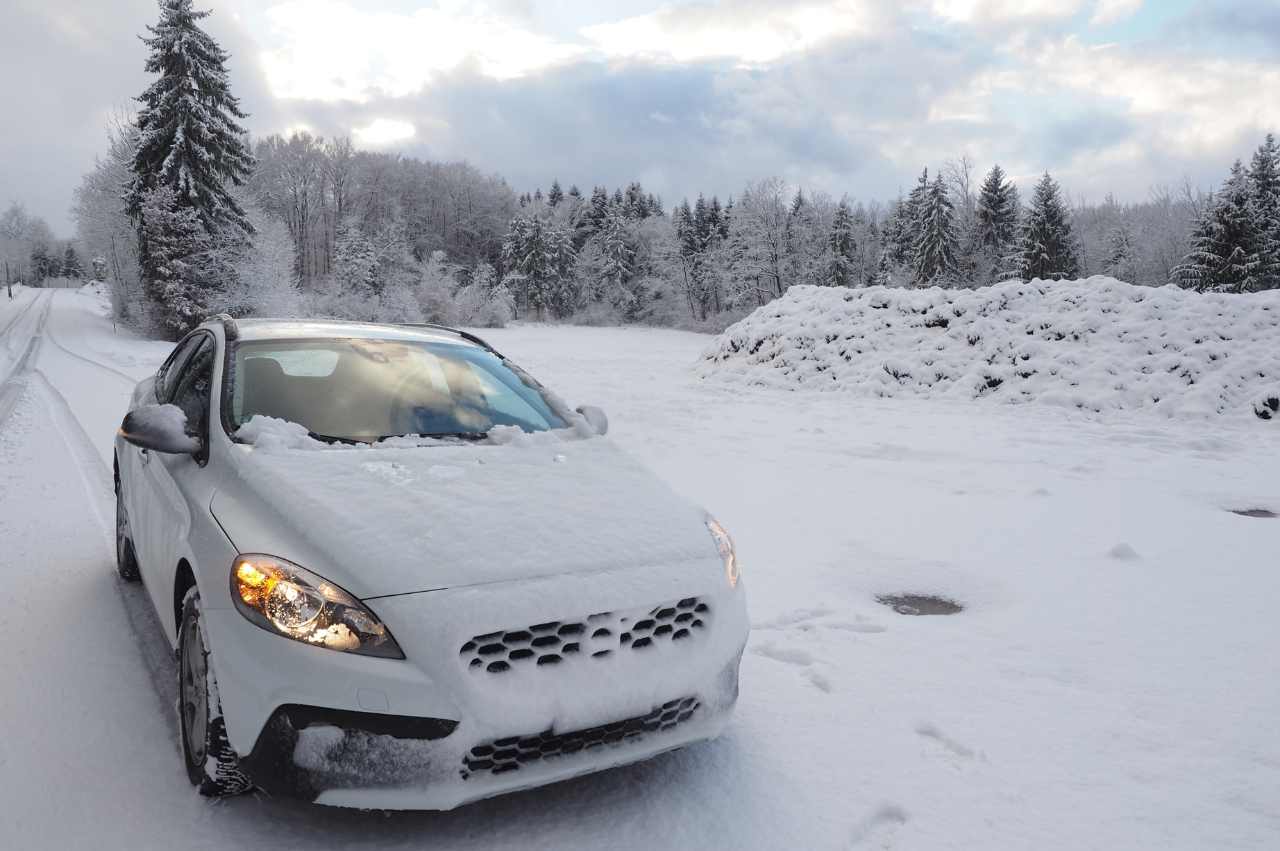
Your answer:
<point x="272" y="433"/>
<point x="1097" y="344"/>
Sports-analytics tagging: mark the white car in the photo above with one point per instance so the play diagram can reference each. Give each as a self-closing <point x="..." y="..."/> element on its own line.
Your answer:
<point x="398" y="573"/>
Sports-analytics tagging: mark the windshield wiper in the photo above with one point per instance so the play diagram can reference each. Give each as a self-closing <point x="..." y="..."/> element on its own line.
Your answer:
<point x="472" y="436"/>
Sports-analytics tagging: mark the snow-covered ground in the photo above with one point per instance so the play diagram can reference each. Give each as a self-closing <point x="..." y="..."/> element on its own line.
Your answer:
<point x="1110" y="683"/>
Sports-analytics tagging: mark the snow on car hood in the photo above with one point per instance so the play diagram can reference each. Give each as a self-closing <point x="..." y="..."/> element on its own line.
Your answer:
<point x="412" y="516"/>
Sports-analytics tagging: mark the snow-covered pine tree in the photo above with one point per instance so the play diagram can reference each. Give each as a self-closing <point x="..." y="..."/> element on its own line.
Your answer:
<point x="997" y="222"/>
<point x="1120" y="253"/>
<point x="555" y="194"/>
<point x="935" y="249"/>
<point x="189" y="142"/>
<point x="189" y="267"/>
<point x="189" y="138"/>
<point x="842" y="268"/>
<point x="355" y="260"/>
<point x="1264" y="178"/>
<point x="1047" y="247"/>
<point x="42" y="263"/>
<point x="71" y="267"/>
<point x="617" y="266"/>
<point x="1224" y="242"/>
<point x="541" y="257"/>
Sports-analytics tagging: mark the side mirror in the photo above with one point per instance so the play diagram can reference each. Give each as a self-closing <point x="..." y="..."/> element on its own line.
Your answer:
<point x="595" y="417"/>
<point x="162" y="428"/>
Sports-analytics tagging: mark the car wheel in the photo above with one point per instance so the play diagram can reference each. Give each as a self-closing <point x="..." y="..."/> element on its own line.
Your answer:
<point x="126" y="558"/>
<point x="212" y="764"/>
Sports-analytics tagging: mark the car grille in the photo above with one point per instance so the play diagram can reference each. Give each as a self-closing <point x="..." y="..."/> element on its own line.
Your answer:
<point x="509" y="754"/>
<point x="598" y="636"/>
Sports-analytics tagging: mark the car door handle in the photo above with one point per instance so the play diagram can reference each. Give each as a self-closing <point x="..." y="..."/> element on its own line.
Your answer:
<point x="145" y="455"/>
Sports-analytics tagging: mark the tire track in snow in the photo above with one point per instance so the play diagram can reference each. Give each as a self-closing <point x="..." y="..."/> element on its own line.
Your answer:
<point x="98" y="483"/>
<point x="21" y="313"/>
<point x="12" y="385"/>
<point x="117" y="373"/>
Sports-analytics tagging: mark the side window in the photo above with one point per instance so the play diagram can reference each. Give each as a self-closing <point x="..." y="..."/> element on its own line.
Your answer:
<point x="167" y="377"/>
<point x="193" y="384"/>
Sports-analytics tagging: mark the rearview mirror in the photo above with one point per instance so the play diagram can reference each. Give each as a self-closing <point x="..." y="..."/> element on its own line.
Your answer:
<point x="595" y="417"/>
<point x="161" y="428"/>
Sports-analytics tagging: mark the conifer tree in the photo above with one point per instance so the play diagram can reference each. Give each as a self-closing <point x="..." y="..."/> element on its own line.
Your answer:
<point x="541" y="256"/>
<point x="189" y="148"/>
<point x="71" y="267"/>
<point x="997" y="213"/>
<point x="189" y="138"/>
<point x="1264" y="178"/>
<point x="355" y="260"/>
<point x="555" y="194"/>
<point x="935" y="249"/>
<point x="1224" y="253"/>
<point x="842" y="268"/>
<point x="1047" y="248"/>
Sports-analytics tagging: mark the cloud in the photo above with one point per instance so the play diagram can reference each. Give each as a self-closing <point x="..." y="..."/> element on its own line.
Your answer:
<point x="1113" y="11"/>
<point x="383" y="131"/>
<point x="332" y="50"/>
<point x="751" y="33"/>
<point x="1000" y="11"/>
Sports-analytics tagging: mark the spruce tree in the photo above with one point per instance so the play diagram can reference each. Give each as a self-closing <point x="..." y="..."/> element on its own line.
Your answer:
<point x="542" y="257"/>
<point x="935" y="249"/>
<point x="1264" y="179"/>
<point x="189" y="139"/>
<point x="1224" y="254"/>
<point x="189" y="149"/>
<point x="1047" y="247"/>
<point x="842" y="269"/>
<point x="71" y="267"/>
<point x="555" y="194"/>
<point x="997" y="212"/>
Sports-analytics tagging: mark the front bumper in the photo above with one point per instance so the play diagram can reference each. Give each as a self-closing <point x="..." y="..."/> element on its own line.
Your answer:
<point x="374" y="761"/>
<point x="447" y="726"/>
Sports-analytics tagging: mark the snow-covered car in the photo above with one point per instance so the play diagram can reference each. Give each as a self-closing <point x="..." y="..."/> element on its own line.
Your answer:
<point x="398" y="573"/>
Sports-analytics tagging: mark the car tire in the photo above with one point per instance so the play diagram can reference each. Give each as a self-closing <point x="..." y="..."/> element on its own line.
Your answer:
<point x="126" y="558"/>
<point x="212" y="764"/>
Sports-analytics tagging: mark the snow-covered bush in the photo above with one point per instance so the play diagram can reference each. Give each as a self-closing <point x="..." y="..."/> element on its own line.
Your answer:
<point x="1096" y="344"/>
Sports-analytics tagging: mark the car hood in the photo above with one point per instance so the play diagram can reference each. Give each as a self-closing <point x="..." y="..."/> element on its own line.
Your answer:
<point x="382" y="521"/>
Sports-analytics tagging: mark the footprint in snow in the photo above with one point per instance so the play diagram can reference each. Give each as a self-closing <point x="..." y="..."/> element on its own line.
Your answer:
<point x="1123" y="552"/>
<point x="929" y="731"/>
<point x="796" y="657"/>
<point x="878" y="829"/>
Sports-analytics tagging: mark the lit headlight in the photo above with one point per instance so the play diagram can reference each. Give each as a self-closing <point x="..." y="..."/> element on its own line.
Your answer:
<point x="725" y="545"/>
<point x="283" y="598"/>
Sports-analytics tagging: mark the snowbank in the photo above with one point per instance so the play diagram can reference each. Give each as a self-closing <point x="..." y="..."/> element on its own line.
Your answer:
<point x="1097" y="344"/>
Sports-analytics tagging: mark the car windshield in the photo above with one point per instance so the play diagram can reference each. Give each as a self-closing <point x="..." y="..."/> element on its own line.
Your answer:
<point x="363" y="390"/>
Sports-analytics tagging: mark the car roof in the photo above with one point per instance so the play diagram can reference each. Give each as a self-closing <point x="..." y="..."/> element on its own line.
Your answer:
<point x="295" y="329"/>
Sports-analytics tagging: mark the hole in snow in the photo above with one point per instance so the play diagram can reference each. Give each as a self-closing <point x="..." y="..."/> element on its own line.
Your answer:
<point x="919" y="604"/>
<point x="1253" y="512"/>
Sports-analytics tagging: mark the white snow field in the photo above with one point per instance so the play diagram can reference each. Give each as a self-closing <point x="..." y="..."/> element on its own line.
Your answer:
<point x="1097" y="345"/>
<point x="1110" y="683"/>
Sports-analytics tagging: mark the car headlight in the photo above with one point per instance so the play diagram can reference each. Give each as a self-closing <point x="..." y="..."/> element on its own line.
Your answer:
<point x="725" y="545"/>
<point x="283" y="598"/>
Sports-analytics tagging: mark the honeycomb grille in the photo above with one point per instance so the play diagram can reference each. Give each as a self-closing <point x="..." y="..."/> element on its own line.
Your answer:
<point x="598" y="637"/>
<point x="509" y="754"/>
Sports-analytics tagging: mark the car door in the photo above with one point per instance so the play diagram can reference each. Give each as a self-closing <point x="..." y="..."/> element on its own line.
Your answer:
<point x="134" y="460"/>
<point x="167" y="514"/>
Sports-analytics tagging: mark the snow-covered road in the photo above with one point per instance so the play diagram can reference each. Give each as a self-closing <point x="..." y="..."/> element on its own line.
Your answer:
<point x="1111" y="682"/>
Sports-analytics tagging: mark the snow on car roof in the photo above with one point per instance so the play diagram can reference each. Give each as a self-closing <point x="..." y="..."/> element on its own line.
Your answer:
<point x="280" y="329"/>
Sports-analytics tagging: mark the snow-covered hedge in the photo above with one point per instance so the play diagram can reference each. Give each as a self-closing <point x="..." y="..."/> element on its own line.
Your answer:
<point x="1097" y="344"/>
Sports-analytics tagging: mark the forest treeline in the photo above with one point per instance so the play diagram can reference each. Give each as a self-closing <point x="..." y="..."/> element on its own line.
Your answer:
<point x="186" y="216"/>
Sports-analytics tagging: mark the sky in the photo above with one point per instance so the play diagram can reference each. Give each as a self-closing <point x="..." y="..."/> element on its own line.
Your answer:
<point x="842" y="96"/>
